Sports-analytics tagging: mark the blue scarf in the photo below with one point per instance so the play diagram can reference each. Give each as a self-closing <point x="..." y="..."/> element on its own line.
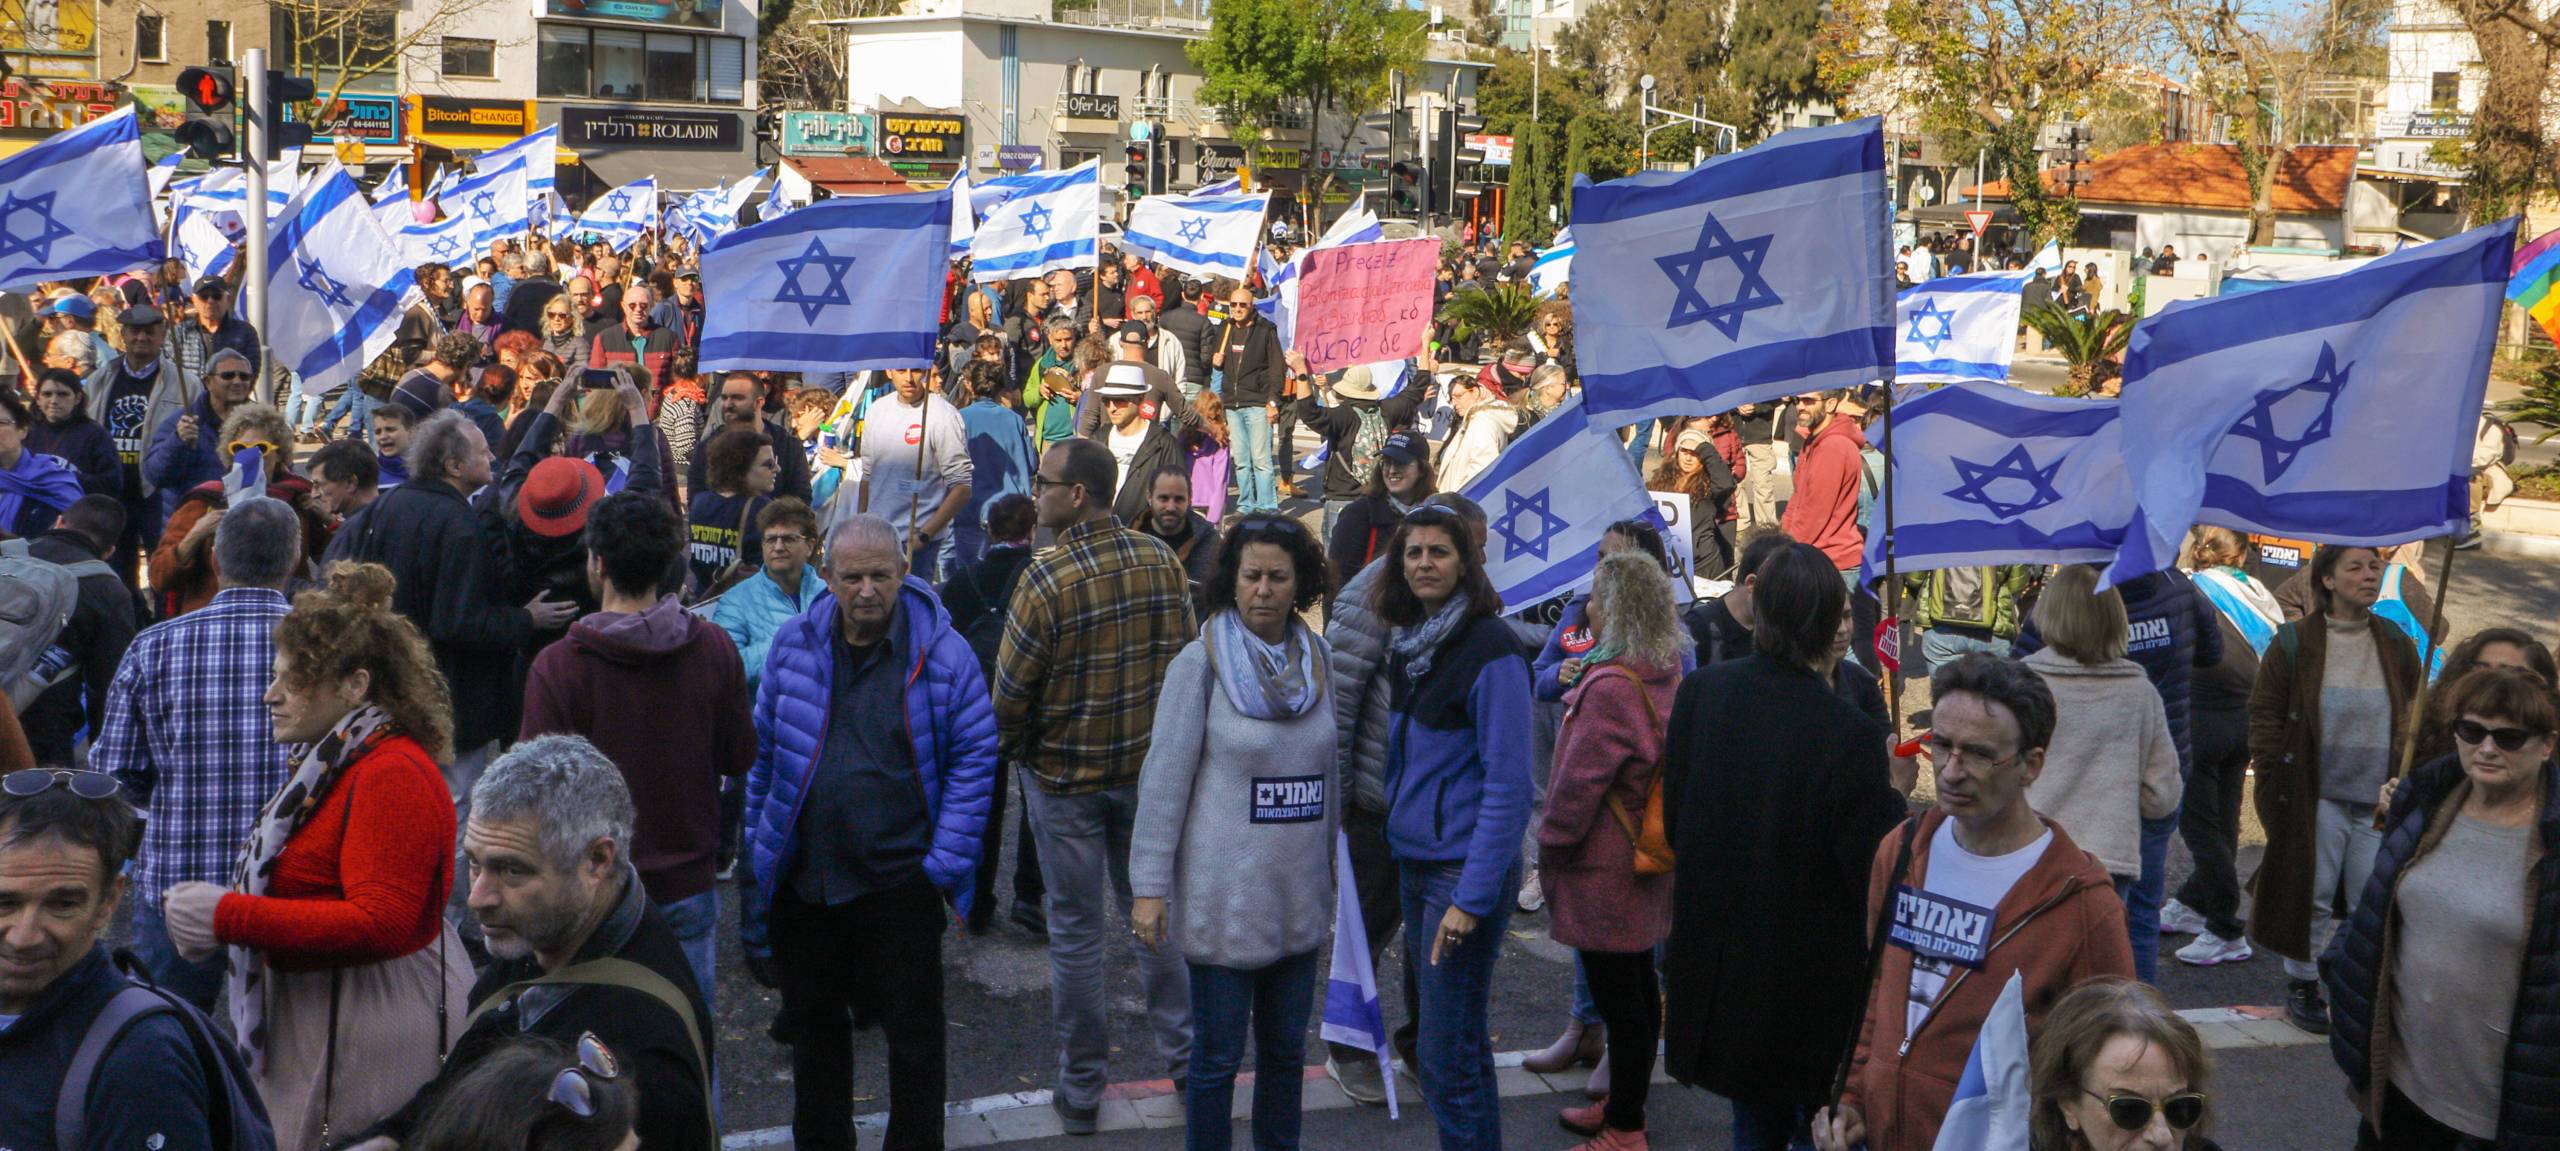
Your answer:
<point x="45" y="479"/>
<point x="1265" y="680"/>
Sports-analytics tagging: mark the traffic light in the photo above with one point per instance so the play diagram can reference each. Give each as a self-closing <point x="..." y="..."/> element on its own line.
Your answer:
<point x="1159" y="165"/>
<point x="283" y="90"/>
<point x="1134" y="175"/>
<point x="207" y="132"/>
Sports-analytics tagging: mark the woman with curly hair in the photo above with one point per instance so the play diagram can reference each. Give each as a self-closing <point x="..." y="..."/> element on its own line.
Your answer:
<point x="345" y="987"/>
<point x="1693" y="467"/>
<point x="183" y="573"/>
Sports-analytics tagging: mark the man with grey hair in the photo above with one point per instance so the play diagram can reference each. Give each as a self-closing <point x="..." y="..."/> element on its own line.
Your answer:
<point x="186" y="445"/>
<point x="131" y="395"/>
<point x="533" y="292"/>
<point x="575" y="947"/>
<point x="72" y="350"/>
<point x="187" y="731"/>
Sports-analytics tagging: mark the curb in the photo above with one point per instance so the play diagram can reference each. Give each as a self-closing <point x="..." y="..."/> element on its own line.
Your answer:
<point x="2519" y="545"/>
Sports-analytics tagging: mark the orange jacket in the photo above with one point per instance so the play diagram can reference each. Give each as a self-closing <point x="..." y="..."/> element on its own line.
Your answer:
<point x="2061" y="924"/>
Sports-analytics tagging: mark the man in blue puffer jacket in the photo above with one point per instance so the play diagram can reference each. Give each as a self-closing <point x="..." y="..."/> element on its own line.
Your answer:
<point x="875" y="758"/>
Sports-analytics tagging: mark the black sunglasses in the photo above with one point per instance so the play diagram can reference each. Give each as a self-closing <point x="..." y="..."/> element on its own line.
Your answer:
<point x="233" y="376"/>
<point x="2133" y="1112"/>
<point x="1281" y="524"/>
<point x="2474" y="732"/>
<point x="36" y="781"/>
<point x="574" y="1088"/>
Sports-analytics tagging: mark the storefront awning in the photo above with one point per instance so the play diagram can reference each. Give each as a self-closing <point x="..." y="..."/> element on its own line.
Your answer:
<point x="850" y="175"/>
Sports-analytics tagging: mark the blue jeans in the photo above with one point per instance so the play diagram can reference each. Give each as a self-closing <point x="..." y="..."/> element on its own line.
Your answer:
<point x="197" y="983"/>
<point x="1455" y="1055"/>
<point x="695" y="920"/>
<point x="306" y="408"/>
<point x="2142" y="903"/>
<point x="1771" y="1127"/>
<point x="1940" y="648"/>
<point x="353" y="400"/>
<point x="1585" y="1012"/>
<point x="1275" y="1000"/>
<point x="1249" y="436"/>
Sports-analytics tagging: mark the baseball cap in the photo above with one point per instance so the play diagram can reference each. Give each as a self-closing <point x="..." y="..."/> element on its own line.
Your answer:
<point x="1124" y="381"/>
<point x="213" y="286"/>
<point x="1133" y="332"/>
<point x="1689" y="441"/>
<point x="1404" y="447"/>
<point x="557" y="495"/>
<point x="75" y="306"/>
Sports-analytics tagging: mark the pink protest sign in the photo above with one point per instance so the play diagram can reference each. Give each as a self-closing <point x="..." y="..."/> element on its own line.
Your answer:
<point x="1363" y="303"/>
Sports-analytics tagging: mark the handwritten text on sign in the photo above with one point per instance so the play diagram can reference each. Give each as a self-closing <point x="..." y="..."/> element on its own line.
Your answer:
<point x="1362" y="303"/>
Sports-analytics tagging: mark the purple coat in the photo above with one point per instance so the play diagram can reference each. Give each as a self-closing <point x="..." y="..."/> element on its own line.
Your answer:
<point x="1610" y="744"/>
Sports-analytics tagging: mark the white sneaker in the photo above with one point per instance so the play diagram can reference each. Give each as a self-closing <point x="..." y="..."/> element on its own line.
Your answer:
<point x="2209" y="949"/>
<point x="2179" y="919"/>
<point x="1533" y="895"/>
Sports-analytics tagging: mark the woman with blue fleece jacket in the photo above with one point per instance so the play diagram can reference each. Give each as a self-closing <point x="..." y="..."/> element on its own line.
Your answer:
<point x="1458" y="799"/>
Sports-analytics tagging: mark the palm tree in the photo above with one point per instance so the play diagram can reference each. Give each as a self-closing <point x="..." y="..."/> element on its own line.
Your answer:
<point x="1501" y="313"/>
<point x="2540" y="403"/>
<point x="2093" y="345"/>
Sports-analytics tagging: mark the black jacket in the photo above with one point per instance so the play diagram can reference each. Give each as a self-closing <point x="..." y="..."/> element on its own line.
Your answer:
<point x="2175" y="631"/>
<point x="449" y="572"/>
<point x="2529" y="1089"/>
<point x="1339" y="424"/>
<point x="1258" y="371"/>
<point x="1191" y="329"/>
<point x="1776" y="795"/>
<point x="1720" y="637"/>
<point x="525" y="302"/>
<point x="985" y="589"/>
<point x="85" y="445"/>
<point x="1360" y="534"/>
<point x="1156" y="451"/>
<point x="101" y="627"/>
<point x="149" y="1092"/>
<point x="789" y="454"/>
<point x="649" y="1041"/>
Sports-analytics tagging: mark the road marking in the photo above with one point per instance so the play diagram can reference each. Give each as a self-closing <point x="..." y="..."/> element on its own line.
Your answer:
<point x="1020" y="1115"/>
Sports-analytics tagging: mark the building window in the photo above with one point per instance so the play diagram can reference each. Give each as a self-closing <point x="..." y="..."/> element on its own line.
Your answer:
<point x="465" y="56"/>
<point x="150" y="37"/>
<point x="628" y="64"/>
<point x="2444" y="91"/>
<point x="217" y="40"/>
<point x="353" y="53"/>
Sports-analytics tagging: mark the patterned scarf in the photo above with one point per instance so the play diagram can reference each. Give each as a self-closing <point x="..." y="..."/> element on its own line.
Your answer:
<point x="316" y="766"/>
<point x="1416" y="645"/>
<point x="1265" y="680"/>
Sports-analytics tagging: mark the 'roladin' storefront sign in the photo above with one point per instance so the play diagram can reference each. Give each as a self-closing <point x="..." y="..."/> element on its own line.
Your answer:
<point x="582" y="127"/>
<point x="923" y="136"/>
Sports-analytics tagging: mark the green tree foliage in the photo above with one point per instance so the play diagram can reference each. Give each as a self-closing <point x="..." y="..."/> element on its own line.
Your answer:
<point x="1538" y="180"/>
<point x="1265" y="55"/>
<point x="1258" y="55"/>
<point x="1603" y="146"/>
<point x="1773" y="63"/>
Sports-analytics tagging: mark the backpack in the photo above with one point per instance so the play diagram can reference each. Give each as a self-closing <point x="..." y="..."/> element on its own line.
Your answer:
<point x="1652" y="838"/>
<point x="1870" y="477"/>
<point x="1365" y="442"/>
<point x="2506" y="438"/>
<point x="985" y="629"/>
<point x="36" y="600"/>
<point x="237" y="1117"/>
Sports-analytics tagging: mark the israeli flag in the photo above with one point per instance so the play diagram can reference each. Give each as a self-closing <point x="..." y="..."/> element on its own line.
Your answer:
<point x="964" y="218"/>
<point x="841" y="285"/>
<point x="76" y="205"/>
<point x="714" y="214"/>
<point x="1232" y="185"/>
<point x="491" y="204"/>
<point x="2340" y="411"/>
<point x="198" y="237"/>
<point x="395" y="183"/>
<point x="1051" y="220"/>
<point x="163" y="172"/>
<point x="1991" y="1104"/>
<point x="448" y="241"/>
<point x="1549" y="497"/>
<point x="1201" y="235"/>
<point x="1553" y="267"/>
<point x="1984" y="473"/>
<point x="246" y="477"/>
<point x="540" y="153"/>
<point x="337" y="285"/>
<point x="1351" y="1015"/>
<point x="2048" y="258"/>
<point x="1759" y="274"/>
<point x="623" y="213"/>
<point x="1957" y="328"/>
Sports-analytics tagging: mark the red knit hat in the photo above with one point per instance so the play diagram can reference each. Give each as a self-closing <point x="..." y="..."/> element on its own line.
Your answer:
<point x="556" y="496"/>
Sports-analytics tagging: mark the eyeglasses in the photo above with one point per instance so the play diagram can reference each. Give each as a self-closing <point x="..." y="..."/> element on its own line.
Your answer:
<point x="233" y="376"/>
<point x="784" y="539"/>
<point x="1945" y="751"/>
<point x="1041" y="483"/>
<point x="1281" y="524"/>
<point x="2474" y="732"/>
<point x="574" y="1088"/>
<point x="555" y="315"/>
<point x="238" y="446"/>
<point x="37" y="780"/>
<point x="2133" y="1112"/>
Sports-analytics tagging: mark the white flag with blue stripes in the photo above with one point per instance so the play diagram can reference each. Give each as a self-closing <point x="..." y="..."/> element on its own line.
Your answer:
<point x="394" y="183"/>
<point x="163" y="173"/>
<point x="1992" y="1104"/>
<point x="1201" y="235"/>
<point x="337" y="285"/>
<point x="1554" y="266"/>
<point x="1051" y="220"/>
<point x="541" y="155"/>
<point x="1957" y="328"/>
<point x="1549" y="497"/>
<point x="1756" y="275"/>
<point x="77" y="205"/>
<point x="1351" y="1015"/>
<point x="1984" y="473"/>
<point x="2339" y="410"/>
<point x="1230" y="186"/>
<point x="491" y="204"/>
<point x="842" y="285"/>
<point x="448" y="241"/>
<point x="623" y="213"/>
<point x="717" y="215"/>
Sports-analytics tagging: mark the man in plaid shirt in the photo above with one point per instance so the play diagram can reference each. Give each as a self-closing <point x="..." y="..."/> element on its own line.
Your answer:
<point x="187" y="731"/>
<point x="1092" y="626"/>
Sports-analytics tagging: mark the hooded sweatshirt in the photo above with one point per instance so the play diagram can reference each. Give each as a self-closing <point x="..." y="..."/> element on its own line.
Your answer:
<point x="2111" y="758"/>
<point x="1824" y="509"/>
<point x="662" y="693"/>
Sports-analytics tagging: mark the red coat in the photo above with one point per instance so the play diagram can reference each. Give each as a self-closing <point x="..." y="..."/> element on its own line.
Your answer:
<point x="1610" y="745"/>
<point x="1824" y="510"/>
<point x="365" y="878"/>
<point x="1143" y="282"/>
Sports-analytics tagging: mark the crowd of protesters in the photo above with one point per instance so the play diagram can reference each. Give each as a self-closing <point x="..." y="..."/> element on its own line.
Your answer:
<point x="425" y="730"/>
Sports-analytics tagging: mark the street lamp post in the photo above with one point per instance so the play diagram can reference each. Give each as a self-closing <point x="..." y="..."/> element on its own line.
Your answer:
<point x="1646" y="109"/>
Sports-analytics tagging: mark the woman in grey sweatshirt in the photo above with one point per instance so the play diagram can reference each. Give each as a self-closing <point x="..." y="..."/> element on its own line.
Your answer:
<point x="1231" y="858"/>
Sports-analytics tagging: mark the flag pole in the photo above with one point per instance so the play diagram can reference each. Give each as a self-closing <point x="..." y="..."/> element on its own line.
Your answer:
<point x="1892" y="677"/>
<point x="2435" y="623"/>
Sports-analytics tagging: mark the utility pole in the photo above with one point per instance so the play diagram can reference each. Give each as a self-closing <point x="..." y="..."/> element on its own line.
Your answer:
<point x="253" y="283"/>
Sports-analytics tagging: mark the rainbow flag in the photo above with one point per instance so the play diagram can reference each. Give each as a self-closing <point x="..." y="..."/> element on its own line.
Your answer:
<point x="2535" y="284"/>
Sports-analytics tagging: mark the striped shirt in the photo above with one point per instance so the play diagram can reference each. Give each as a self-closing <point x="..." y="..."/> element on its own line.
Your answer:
<point x="1093" y="624"/>
<point x="187" y="732"/>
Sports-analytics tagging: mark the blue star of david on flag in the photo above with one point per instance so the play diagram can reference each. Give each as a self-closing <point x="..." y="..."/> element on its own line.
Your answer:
<point x="445" y="247"/>
<point x="1533" y="541"/>
<point x="833" y="265"/>
<point x="621" y="202"/>
<point x="2016" y="466"/>
<point x="315" y="280"/>
<point x="484" y="205"/>
<point x="2277" y="451"/>
<point x="1931" y="326"/>
<point x="1193" y="230"/>
<point x="1689" y="304"/>
<point x="1035" y="222"/>
<point x="38" y="246"/>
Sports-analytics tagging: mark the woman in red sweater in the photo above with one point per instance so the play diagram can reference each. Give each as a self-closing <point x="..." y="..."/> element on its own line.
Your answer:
<point x="346" y="986"/>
